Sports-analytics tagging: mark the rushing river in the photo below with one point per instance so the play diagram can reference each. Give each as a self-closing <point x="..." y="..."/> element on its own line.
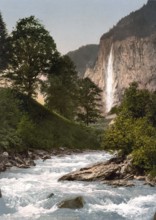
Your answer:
<point x="25" y="193"/>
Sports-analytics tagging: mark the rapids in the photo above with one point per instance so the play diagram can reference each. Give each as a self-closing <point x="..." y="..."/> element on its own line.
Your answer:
<point x="25" y="193"/>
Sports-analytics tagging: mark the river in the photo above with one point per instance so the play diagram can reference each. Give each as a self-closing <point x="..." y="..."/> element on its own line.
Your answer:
<point x="25" y="193"/>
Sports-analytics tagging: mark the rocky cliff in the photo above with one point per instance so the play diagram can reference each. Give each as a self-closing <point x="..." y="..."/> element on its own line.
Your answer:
<point x="84" y="57"/>
<point x="127" y="53"/>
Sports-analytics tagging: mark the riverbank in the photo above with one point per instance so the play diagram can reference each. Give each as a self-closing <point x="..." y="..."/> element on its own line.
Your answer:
<point x="27" y="159"/>
<point x="116" y="172"/>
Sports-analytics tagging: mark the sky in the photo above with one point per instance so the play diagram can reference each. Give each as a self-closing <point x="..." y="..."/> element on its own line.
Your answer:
<point x="72" y="23"/>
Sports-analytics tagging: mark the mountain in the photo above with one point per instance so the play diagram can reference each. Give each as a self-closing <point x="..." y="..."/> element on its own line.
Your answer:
<point x="127" y="53"/>
<point x="85" y="57"/>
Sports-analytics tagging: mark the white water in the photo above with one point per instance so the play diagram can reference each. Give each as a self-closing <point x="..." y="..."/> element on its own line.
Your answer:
<point x="25" y="193"/>
<point x="109" y="82"/>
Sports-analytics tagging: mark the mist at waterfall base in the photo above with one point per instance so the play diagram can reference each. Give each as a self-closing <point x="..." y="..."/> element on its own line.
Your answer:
<point x="25" y="193"/>
<point x="110" y="90"/>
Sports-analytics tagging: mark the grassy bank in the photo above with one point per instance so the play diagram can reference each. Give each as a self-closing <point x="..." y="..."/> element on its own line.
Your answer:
<point x="27" y="124"/>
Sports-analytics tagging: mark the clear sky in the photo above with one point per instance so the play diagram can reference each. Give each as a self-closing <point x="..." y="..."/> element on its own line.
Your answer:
<point x="72" y="23"/>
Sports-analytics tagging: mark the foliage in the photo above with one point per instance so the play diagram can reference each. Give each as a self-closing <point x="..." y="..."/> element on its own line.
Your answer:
<point x="61" y="88"/>
<point x="4" y="55"/>
<point x="27" y="124"/>
<point x="26" y="130"/>
<point x="135" y="102"/>
<point x="9" y="119"/>
<point x="89" y="102"/>
<point x="32" y="50"/>
<point x="119" y="136"/>
<point x="134" y="130"/>
<point x="24" y="123"/>
<point x="52" y="131"/>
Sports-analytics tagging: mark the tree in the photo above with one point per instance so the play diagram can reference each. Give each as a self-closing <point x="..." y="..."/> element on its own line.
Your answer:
<point x="134" y="131"/>
<point x="61" y="89"/>
<point x="3" y="45"/>
<point x="89" y="102"/>
<point x="135" y="101"/>
<point x="119" y="136"/>
<point x="32" y="52"/>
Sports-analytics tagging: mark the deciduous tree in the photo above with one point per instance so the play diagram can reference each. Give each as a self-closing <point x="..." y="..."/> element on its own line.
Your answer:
<point x="32" y="52"/>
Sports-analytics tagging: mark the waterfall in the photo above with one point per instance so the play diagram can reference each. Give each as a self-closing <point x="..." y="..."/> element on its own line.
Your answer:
<point x="109" y="92"/>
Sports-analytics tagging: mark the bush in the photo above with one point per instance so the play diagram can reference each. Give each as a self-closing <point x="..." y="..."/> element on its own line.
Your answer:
<point x="134" y="130"/>
<point x="26" y="131"/>
<point x="119" y="136"/>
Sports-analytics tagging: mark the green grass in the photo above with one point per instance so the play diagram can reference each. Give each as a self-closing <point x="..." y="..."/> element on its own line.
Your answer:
<point x="51" y="130"/>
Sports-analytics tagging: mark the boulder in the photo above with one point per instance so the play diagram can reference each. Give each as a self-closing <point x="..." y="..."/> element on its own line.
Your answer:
<point x="29" y="162"/>
<point x="2" y="167"/>
<point x="50" y="195"/>
<point x="18" y="160"/>
<point x="3" y="160"/>
<point x="74" y="203"/>
<point x="46" y="157"/>
<point x="22" y="166"/>
<point x="101" y="171"/>
<point x="117" y="171"/>
<point x="5" y="154"/>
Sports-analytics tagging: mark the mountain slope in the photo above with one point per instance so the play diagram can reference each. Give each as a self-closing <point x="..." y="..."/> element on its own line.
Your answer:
<point x="84" y="57"/>
<point x="126" y="54"/>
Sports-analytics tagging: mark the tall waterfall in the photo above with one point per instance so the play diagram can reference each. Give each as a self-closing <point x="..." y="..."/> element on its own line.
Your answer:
<point x="109" y="92"/>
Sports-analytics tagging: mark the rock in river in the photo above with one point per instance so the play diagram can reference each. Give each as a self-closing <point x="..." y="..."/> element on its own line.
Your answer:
<point x="116" y="172"/>
<point x="75" y="203"/>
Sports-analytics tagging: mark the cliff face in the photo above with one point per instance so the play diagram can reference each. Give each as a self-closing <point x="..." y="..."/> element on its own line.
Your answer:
<point x="85" y="57"/>
<point x="127" y="53"/>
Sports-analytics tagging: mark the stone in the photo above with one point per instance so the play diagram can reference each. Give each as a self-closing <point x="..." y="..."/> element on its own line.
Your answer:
<point x="24" y="166"/>
<point x="19" y="160"/>
<point x="2" y="167"/>
<point x="74" y="203"/>
<point x="140" y="178"/>
<point x="5" y="154"/>
<point x="50" y="195"/>
<point x="109" y="172"/>
<point x="46" y="157"/>
<point x="101" y="171"/>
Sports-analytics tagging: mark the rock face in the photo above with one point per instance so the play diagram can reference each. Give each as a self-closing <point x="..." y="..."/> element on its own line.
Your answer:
<point x="85" y="57"/>
<point x="126" y="54"/>
<point x="75" y="203"/>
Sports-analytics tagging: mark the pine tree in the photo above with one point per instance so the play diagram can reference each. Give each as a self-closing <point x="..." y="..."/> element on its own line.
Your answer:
<point x="3" y="45"/>
<point x="89" y="102"/>
<point x="61" y="91"/>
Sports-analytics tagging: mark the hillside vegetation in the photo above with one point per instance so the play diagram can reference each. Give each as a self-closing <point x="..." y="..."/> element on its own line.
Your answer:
<point x="140" y="23"/>
<point x="134" y="129"/>
<point x="27" y="124"/>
